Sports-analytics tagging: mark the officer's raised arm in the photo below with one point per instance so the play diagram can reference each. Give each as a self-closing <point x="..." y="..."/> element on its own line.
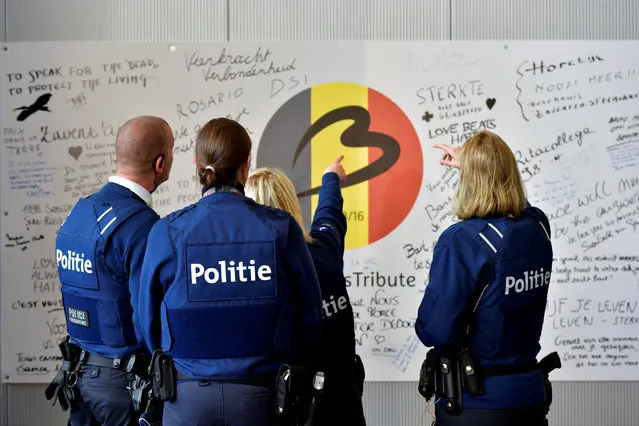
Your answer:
<point x="329" y="222"/>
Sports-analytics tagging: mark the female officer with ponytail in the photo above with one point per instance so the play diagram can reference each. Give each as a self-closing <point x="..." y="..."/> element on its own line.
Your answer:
<point x="483" y="309"/>
<point x="229" y="292"/>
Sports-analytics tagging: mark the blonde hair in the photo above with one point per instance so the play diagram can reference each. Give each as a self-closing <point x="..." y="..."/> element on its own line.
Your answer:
<point x="271" y="187"/>
<point x="489" y="181"/>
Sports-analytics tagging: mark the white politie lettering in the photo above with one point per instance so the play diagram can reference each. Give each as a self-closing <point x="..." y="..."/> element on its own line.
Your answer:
<point x="342" y="303"/>
<point x="227" y="273"/>
<point x="73" y="261"/>
<point x="530" y="281"/>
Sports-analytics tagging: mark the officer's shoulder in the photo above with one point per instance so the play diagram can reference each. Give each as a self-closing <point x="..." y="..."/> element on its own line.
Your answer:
<point x="172" y="217"/>
<point x="535" y="212"/>
<point x="452" y="234"/>
<point x="141" y="221"/>
<point x="147" y="212"/>
<point x="268" y="212"/>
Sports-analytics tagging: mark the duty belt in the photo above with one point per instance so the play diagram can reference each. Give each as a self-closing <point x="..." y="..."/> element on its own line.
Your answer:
<point x="507" y="370"/>
<point x="99" y="361"/>
<point x="264" y="381"/>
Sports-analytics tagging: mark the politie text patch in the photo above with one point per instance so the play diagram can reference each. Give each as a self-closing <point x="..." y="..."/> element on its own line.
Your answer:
<point x="75" y="258"/>
<point x="228" y="271"/>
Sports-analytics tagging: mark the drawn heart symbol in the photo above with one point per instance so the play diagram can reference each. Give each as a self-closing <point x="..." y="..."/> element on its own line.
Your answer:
<point x="490" y="102"/>
<point x="380" y="339"/>
<point x="75" y="152"/>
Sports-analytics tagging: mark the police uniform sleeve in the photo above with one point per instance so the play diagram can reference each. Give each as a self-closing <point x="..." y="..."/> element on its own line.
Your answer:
<point x="329" y="223"/>
<point x="309" y="297"/>
<point x="457" y="267"/>
<point x="133" y="258"/>
<point x="157" y="272"/>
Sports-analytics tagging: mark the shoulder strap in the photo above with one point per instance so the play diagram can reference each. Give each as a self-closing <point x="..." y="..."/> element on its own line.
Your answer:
<point x="489" y="238"/>
<point x="487" y="235"/>
<point x="111" y="216"/>
<point x="539" y="217"/>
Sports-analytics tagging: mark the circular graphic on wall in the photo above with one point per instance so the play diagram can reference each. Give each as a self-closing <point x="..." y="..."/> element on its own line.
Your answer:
<point x="383" y="157"/>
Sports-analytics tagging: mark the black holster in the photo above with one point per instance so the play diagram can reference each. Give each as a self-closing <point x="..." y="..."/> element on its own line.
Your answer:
<point x="62" y="387"/>
<point x="295" y="391"/>
<point x="448" y="377"/>
<point x="547" y="364"/>
<point x="426" y="386"/>
<point x="473" y="380"/>
<point x="163" y="377"/>
<point x="448" y="384"/>
<point x="140" y="389"/>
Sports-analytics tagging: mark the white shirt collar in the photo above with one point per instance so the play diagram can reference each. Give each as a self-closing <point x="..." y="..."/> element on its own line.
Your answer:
<point x="134" y="187"/>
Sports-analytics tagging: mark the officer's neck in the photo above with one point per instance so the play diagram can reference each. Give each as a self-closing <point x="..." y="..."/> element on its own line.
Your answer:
<point x="145" y="182"/>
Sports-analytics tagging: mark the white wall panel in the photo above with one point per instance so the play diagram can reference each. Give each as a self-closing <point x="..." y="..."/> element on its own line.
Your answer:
<point x="545" y="19"/>
<point x="117" y="20"/>
<point x="314" y="20"/>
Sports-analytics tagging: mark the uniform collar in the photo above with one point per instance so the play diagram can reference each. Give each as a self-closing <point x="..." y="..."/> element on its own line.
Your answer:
<point x="134" y="187"/>
<point x="223" y="188"/>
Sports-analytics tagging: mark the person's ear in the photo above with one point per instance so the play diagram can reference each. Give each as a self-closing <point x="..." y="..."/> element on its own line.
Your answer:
<point x="159" y="164"/>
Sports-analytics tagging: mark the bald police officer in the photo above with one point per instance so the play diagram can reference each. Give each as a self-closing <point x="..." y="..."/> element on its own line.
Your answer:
<point x="99" y="252"/>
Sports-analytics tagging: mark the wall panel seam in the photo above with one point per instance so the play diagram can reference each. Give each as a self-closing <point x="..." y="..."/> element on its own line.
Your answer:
<point x="5" y="18"/>
<point x="228" y="20"/>
<point x="450" y="19"/>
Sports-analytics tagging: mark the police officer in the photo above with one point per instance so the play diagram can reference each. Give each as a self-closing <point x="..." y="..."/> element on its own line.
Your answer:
<point x="486" y="294"/>
<point x="99" y="252"/>
<point x="341" y="399"/>
<point x="229" y="292"/>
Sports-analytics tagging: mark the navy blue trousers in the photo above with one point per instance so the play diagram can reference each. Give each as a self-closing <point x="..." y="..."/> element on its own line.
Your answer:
<point x="104" y="399"/>
<point x="531" y="415"/>
<point x="205" y="403"/>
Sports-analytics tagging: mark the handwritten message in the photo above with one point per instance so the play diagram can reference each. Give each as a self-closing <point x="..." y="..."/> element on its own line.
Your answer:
<point x="230" y="64"/>
<point x="548" y="87"/>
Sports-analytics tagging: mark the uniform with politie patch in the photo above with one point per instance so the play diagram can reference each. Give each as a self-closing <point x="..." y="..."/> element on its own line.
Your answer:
<point x="99" y="253"/>
<point x="229" y="292"/>
<point x="487" y="292"/>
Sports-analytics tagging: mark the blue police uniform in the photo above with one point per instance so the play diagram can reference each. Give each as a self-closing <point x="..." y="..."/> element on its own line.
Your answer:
<point x="487" y="292"/>
<point x="341" y="402"/>
<point x="99" y="253"/>
<point x="228" y="290"/>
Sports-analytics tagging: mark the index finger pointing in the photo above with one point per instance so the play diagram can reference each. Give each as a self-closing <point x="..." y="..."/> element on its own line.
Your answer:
<point x="445" y="148"/>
